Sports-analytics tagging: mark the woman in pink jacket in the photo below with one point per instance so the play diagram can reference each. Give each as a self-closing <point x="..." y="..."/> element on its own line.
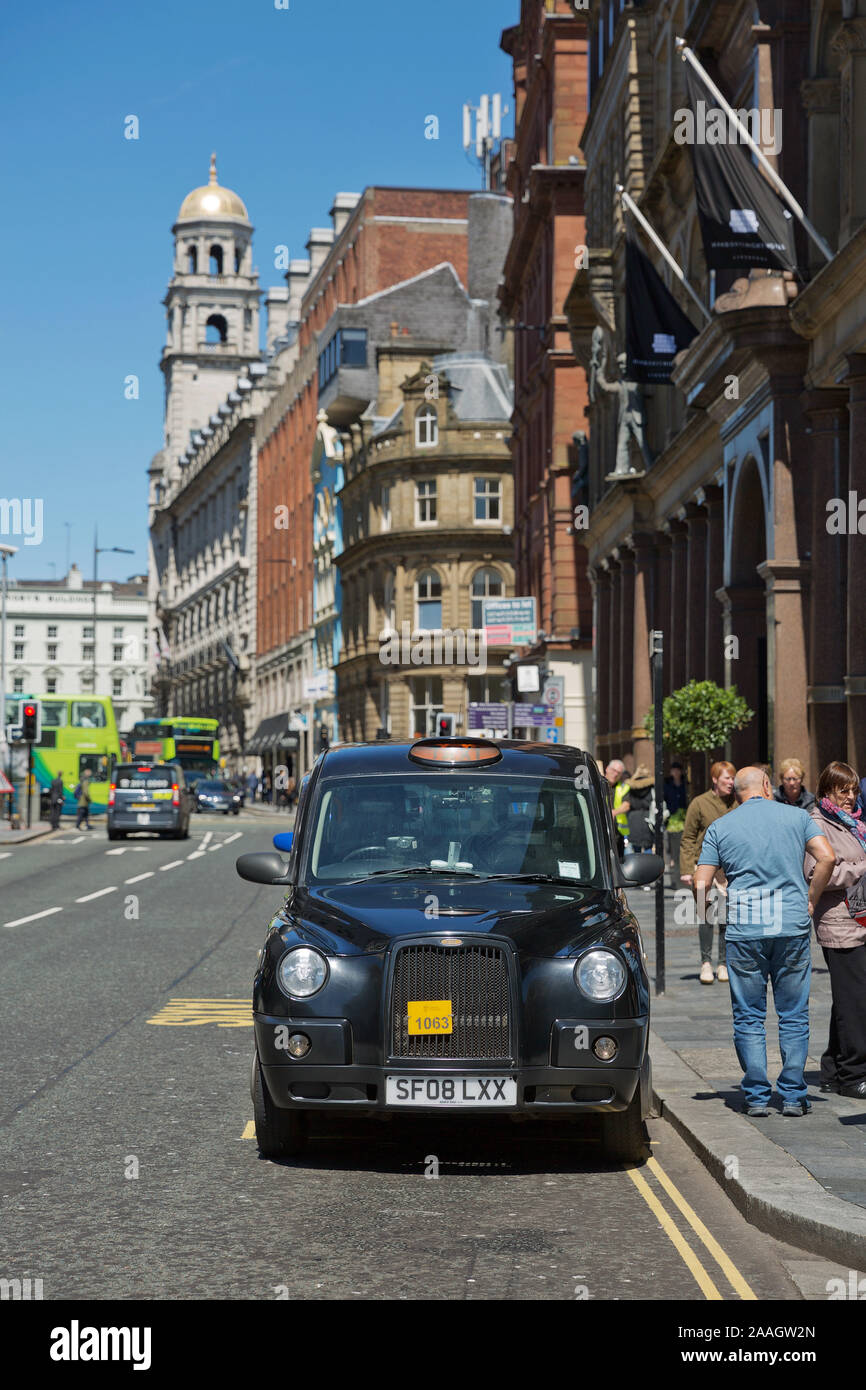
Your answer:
<point x="843" y="941"/>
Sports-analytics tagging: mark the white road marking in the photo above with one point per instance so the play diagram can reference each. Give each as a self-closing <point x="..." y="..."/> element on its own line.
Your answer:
<point x="100" y="893"/>
<point x="5" y="854"/>
<point x="206" y="836"/>
<point x="130" y="849"/>
<point x="173" y="865"/>
<point x="211" y="848"/>
<point x="34" y="916"/>
<point x="196" y="854"/>
<point x="237" y="835"/>
<point x="139" y="877"/>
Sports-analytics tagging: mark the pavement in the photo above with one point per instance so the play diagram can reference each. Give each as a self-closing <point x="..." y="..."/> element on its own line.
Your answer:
<point x="801" y="1180"/>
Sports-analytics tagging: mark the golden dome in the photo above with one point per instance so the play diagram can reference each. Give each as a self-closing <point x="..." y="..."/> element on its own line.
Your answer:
<point x="211" y="201"/>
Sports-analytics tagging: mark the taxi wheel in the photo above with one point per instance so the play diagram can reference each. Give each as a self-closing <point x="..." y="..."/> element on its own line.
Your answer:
<point x="279" y="1133"/>
<point x="622" y="1134"/>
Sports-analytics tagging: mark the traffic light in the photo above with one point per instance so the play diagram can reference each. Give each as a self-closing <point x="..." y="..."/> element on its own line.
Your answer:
<point x="324" y="740"/>
<point x="446" y="725"/>
<point x="30" y="719"/>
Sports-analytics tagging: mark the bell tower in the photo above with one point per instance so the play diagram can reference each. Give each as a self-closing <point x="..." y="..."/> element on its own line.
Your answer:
<point x="212" y="312"/>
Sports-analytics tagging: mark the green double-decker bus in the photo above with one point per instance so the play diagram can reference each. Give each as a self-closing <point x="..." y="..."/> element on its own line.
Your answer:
<point x="189" y="740"/>
<point x="79" y="734"/>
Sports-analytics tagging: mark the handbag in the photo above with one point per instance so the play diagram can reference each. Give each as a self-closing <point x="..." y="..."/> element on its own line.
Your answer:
<point x="855" y="901"/>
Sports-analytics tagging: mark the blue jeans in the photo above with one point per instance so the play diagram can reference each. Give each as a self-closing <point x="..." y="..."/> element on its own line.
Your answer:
<point x="787" y="962"/>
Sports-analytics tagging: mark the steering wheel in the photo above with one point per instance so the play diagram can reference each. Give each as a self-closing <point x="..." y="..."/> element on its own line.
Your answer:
<point x="365" y="851"/>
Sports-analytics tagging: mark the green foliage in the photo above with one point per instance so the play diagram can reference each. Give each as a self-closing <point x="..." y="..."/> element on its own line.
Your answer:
<point x="700" y="716"/>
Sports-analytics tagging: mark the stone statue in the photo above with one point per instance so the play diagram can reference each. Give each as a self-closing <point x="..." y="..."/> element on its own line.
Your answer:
<point x="328" y="435"/>
<point x="630" y="426"/>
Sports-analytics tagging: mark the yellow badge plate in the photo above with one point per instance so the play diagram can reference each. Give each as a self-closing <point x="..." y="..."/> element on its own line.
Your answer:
<point x="429" y="1016"/>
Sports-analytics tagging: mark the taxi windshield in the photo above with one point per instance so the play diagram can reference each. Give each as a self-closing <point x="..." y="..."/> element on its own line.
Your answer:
<point x="365" y="827"/>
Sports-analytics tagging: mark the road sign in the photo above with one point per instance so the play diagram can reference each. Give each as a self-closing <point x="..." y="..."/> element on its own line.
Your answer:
<point x="14" y="733"/>
<point x="488" y="716"/>
<point x="554" y="692"/>
<point x="509" y="622"/>
<point x="551" y="734"/>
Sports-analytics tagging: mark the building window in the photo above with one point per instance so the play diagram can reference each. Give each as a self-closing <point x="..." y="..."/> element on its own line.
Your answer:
<point x="86" y="653"/>
<point x="51" y="685"/>
<point x="18" y="685"/>
<point x="117" y="685"/>
<point x="426" y="704"/>
<point x="347" y="348"/>
<point x="191" y="260"/>
<point x="86" y="632"/>
<point x="386" y="509"/>
<point x="51" y="651"/>
<point x="237" y="260"/>
<point x="118" y="654"/>
<point x="428" y="601"/>
<point x="425" y="502"/>
<point x="426" y="426"/>
<point x="215" y="261"/>
<point x="488" y="499"/>
<point x="388" y="607"/>
<point x="216" y="330"/>
<point x="18" y="652"/>
<point x="486" y="583"/>
<point x="19" y="630"/>
<point x="118" y="632"/>
<point x="52" y="630"/>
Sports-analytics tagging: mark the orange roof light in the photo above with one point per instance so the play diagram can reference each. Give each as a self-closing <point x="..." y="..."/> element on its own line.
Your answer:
<point x="452" y="751"/>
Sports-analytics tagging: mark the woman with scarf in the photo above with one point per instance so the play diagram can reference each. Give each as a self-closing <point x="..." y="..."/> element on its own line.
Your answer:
<point x="842" y="939"/>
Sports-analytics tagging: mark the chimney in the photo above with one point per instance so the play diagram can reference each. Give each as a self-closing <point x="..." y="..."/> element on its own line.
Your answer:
<point x="344" y="204"/>
<point x="320" y="241"/>
<point x="277" y="309"/>
<point x="297" y="279"/>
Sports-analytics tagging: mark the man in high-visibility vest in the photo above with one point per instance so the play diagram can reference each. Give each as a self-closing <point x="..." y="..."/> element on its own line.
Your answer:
<point x="616" y="776"/>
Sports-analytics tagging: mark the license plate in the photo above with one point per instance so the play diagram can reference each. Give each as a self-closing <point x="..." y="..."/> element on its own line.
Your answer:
<point x="140" y="806"/>
<point x="143" y="818"/>
<point x="483" y="1091"/>
<point x="429" y="1016"/>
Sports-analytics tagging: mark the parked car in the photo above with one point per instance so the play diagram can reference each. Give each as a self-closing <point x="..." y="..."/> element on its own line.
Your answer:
<point x="453" y="937"/>
<point x="215" y="794"/>
<point x="144" y="796"/>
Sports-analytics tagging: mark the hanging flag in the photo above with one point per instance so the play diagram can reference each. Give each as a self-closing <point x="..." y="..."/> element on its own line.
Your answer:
<point x="656" y="328"/>
<point x="744" y="224"/>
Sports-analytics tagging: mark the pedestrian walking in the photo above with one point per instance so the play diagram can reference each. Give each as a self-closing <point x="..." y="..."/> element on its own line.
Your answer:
<point x="791" y="791"/>
<point x="761" y="847"/>
<point x="841" y="938"/>
<point x="676" y="793"/>
<point x="56" y="794"/>
<point x="616" y="775"/>
<point x="266" y="788"/>
<point x="702" y="812"/>
<point x="252" y="783"/>
<point x="82" y="797"/>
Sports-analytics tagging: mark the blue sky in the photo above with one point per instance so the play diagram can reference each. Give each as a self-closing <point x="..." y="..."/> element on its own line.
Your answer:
<point x="324" y="96"/>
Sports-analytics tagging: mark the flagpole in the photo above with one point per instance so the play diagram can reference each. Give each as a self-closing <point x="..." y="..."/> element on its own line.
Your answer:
<point x="657" y="242"/>
<point x="781" y="188"/>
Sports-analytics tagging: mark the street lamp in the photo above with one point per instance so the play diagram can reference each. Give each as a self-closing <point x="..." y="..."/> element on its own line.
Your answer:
<point x="5" y="552"/>
<point x="97" y="551"/>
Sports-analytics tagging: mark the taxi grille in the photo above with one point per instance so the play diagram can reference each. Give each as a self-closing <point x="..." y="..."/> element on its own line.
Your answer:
<point x="475" y="979"/>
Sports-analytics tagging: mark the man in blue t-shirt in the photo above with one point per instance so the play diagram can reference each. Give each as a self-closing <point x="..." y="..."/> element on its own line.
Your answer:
<point x="760" y="847"/>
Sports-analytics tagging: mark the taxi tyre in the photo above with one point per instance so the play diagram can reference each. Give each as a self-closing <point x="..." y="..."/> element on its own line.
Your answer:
<point x="623" y="1135"/>
<point x="279" y="1133"/>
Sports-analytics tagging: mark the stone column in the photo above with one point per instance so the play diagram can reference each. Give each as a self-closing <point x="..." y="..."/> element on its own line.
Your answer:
<point x="787" y="584"/>
<point x="626" y="649"/>
<point x="601" y="645"/>
<point x="714" y="653"/>
<point x="849" y="44"/>
<point x="696" y="590"/>
<point x="745" y="618"/>
<point x="855" y="661"/>
<point x="644" y="584"/>
<point x="614" y="722"/>
<point x="828" y="448"/>
<point x="675" y="637"/>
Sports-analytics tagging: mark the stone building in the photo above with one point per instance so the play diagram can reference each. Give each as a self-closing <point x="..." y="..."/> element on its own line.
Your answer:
<point x="427" y="505"/>
<point x="725" y="541"/>
<point x="545" y="177"/>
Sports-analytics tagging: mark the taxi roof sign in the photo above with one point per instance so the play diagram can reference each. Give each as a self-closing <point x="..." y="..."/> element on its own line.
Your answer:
<point x="451" y="752"/>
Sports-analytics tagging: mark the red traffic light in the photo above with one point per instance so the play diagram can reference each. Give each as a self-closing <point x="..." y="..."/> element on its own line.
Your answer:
<point x="29" y="711"/>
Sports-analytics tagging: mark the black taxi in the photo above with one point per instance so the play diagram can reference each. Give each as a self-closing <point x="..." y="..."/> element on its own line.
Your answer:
<point x="454" y="937"/>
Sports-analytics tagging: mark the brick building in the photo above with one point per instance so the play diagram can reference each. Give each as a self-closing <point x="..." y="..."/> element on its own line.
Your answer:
<point x="545" y="176"/>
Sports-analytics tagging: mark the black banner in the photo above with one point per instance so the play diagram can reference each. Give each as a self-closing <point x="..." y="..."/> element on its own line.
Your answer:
<point x="744" y="223"/>
<point x="656" y="328"/>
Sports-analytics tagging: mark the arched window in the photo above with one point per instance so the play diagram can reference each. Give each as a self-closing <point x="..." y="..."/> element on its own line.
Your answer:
<point x="426" y="426"/>
<point x="215" y="266"/>
<point x="428" y="601"/>
<point x="388" y="603"/>
<point x="191" y="260"/>
<point x="216" y="329"/>
<point x="486" y="583"/>
<point x="238" y="258"/>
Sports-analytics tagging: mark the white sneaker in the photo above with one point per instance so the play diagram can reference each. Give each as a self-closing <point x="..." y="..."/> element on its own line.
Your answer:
<point x="707" y="976"/>
<point x="722" y="974"/>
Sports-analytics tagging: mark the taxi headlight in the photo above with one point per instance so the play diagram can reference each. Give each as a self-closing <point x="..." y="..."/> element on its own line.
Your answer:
<point x="302" y="972"/>
<point x="600" y="975"/>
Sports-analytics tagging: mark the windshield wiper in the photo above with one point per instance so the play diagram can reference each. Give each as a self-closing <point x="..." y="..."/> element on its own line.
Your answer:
<point x="418" y="869"/>
<point x="539" y="878"/>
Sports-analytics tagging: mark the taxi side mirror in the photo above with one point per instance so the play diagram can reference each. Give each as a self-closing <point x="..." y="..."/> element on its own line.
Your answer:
<point x="267" y="867"/>
<point x="638" y="869"/>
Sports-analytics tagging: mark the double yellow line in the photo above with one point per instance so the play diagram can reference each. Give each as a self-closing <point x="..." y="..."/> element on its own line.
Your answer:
<point x="679" y="1242"/>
